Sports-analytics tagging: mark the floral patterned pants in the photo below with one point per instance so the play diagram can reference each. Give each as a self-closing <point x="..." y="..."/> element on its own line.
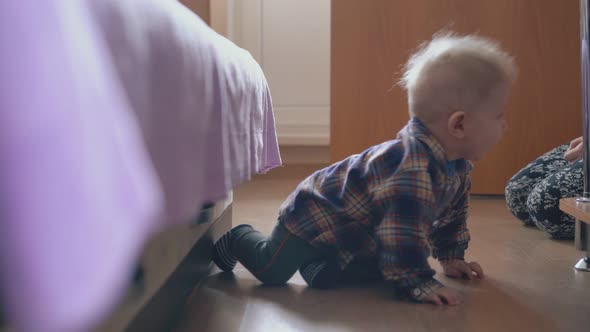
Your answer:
<point x="533" y="194"/>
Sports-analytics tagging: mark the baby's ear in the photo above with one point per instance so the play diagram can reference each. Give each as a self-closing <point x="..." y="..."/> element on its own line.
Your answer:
<point x="456" y="124"/>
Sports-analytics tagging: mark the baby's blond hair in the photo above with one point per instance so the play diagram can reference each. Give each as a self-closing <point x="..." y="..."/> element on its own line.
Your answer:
<point x="453" y="72"/>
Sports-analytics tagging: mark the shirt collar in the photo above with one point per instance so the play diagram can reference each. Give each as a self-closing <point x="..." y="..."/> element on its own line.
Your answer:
<point x="417" y="129"/>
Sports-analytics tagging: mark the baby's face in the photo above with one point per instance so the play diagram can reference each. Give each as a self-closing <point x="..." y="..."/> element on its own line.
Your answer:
<point x="485" y="127"/>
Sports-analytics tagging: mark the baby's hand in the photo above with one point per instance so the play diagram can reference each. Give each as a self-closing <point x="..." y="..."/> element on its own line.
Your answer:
<point x="457" y="268"/>
<point x="445" y="295"/>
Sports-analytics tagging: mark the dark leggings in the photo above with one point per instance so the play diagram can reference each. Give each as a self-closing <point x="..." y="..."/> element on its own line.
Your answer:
<point x="275" y="259"/>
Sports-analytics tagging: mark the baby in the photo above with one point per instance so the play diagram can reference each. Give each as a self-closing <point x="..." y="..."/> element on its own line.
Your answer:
<point x="380" y="214"/>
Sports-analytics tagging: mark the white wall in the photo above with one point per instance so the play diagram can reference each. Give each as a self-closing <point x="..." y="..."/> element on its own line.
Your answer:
<point x="219" y="16"/>
<point x="291" y="41"/>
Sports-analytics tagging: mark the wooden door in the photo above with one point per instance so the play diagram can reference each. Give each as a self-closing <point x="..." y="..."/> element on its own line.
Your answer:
<point x="200" y="7"/>
<point x="371" y="40"/>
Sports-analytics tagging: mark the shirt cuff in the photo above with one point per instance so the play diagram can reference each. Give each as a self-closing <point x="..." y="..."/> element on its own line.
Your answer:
<point x="449" y="254"/>
<point x="423" y="290"/>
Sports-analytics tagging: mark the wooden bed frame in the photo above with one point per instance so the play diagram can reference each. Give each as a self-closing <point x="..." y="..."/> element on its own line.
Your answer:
<point x="173" y="263"/>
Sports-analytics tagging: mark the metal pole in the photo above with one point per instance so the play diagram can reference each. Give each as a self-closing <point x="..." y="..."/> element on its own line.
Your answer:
<point x="585" y="102"/>
<point x="582" y="229"/>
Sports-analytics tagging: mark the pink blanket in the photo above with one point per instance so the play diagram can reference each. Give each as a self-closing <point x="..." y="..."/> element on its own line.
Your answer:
<point x="116" y="118"/>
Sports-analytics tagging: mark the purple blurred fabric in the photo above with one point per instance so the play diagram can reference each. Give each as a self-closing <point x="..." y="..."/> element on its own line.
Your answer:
<point x="116" y="119"/>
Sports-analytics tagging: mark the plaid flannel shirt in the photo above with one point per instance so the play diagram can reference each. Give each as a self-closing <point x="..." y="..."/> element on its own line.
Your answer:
<point x="398" y="202"/>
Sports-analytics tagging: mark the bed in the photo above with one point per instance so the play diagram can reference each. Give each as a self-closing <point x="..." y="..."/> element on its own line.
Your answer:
<point x="124" y="127"/>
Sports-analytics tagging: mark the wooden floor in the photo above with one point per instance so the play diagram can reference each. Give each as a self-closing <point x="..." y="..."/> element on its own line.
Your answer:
<point x="531" y="284"/>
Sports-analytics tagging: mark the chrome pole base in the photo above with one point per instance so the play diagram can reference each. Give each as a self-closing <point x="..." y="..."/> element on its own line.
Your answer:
<point x="583" y="265"/>
<point x="585" y="198"/>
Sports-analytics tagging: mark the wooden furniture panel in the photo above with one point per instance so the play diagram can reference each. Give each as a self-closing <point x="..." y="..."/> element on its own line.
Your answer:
<point x="580" y="211"/>
<point x="201" y="8"/>
<point x="371" y="40"/>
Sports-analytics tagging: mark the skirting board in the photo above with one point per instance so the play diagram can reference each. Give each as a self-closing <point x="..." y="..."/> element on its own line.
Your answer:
<point x="304" y="155"/>
<point x="303" y="125"/>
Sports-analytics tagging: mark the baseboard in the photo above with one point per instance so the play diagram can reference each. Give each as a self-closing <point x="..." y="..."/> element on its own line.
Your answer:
<point x="303" y="125"/>
<point x="298" y="135"/>
<point x="305" y="154"/>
